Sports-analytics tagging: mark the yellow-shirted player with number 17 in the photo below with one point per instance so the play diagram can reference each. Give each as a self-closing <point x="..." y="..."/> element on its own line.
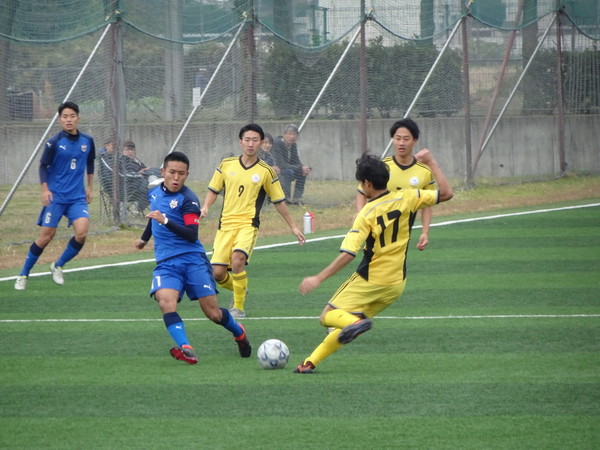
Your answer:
<point x="382" y="227"/>
<point x="245" y="181"/>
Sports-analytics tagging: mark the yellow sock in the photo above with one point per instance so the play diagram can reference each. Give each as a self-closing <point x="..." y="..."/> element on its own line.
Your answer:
<point x="339" y="318"/>
<point x="240" y="285"/>
<point x="329" y="345"/>
<point x="226" y="282"/>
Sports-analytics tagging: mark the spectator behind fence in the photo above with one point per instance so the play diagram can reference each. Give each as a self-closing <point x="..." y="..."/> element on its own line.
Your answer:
<point x="106" y="165"/>
<point x="134" y="166"/>
<point x="201" y="80"/>
<point x="265" y="152"/>
<point x="136" y="175"/>
<point x="285" y="154"/>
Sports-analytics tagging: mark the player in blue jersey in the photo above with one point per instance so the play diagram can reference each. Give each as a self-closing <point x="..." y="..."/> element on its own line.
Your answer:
<point x="182" y="264"/>
<point x="67" y="159"/>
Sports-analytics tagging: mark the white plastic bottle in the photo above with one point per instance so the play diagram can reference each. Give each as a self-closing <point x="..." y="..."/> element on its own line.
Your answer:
<point x="308" y="223"/>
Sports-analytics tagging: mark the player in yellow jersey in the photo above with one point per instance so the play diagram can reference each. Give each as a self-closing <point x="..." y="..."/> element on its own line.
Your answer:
<point x="406" y="171"/>
<point x="383" y="227"/>
<point x="245" y="181"/>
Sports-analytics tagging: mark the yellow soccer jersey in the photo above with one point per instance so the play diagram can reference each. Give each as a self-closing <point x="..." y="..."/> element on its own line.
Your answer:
<point x="416" y="176"/>
<point x="244" y="189"/>
<point x="383" y="226"/>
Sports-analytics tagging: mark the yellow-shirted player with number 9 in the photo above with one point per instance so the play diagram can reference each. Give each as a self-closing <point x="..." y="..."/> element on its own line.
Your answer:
<point x="245" y="181"/>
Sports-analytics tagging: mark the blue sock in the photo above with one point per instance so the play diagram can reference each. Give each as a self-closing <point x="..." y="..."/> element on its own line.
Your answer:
<point x="70" y="252"/>
<point x="175" y="328"/>
<point x="230" y="324"/>
<point x="32" y="256"/>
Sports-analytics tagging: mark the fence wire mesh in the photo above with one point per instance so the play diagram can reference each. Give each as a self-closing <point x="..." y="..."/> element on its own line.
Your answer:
<point x="269" y="61"/>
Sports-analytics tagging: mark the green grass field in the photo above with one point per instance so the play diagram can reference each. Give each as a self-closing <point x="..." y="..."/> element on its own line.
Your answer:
<point x="494" y="344"/>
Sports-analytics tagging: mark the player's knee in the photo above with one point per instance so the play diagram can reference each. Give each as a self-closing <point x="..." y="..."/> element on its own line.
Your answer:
<point x="43" y="242"/>
<point x="322" y="318"/>
<point x="80" y="233"/>
<point x="219" y="275"/>
<point x="214" y="315"/>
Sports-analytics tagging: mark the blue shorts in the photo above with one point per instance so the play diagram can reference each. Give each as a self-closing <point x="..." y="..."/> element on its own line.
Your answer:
<point x="190" y="273"/>
<point x="50" y="215"/>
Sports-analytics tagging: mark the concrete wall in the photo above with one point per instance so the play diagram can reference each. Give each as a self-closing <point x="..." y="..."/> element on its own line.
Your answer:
<point x="521" y="146"/>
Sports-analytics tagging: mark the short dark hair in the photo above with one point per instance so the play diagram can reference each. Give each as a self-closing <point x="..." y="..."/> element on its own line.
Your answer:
<point x="407" y="123"/>
<point x="268" y="137"/>
<point x="373" y="169"/>
<point x="177" y="156"/>
<point x="69" y="105"/>
<point x="129" y="144"/>
<point x="252" y="127"/>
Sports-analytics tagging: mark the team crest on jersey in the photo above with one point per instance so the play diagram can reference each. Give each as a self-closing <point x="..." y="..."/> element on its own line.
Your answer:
<point x="84" y="148"/>
<point x="414" y="181"/>
<point x="173" y="203"/>
<point x="255" y="178"/>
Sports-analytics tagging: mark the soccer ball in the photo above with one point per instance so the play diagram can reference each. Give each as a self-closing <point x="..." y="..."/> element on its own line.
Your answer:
<point x="273" y="354"/>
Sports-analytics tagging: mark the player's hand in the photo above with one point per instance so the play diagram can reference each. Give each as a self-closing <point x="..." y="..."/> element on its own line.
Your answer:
<point x="46" y="197"/>
<point x="139" y="244"/>
<point x="203" y="213"/>
<point x="88" y="195"/>
<point x="424" y="156"/>
<point x="156" y="215"/>
<point x="308" y="284"/>
<point x="423" y="241"/>
<point x="299" y="236"/>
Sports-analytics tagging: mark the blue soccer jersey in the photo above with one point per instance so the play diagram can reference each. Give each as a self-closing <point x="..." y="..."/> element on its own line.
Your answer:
<point x="181" y="207"/>
<point x="68" y="158"/>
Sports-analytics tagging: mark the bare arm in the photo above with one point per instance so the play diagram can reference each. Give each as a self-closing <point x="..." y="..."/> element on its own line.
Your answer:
<point x="310" y="283"/>
<point x="283" y="210"/>
<point x="445" y="189"/>
<point x="210" y="198"/>
<point x="426" y="215"/>
<point x="88" y="191"/>
<point x="46" y="194"/>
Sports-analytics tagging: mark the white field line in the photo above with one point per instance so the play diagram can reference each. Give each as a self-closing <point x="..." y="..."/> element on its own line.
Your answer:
<point x="283" y="244"/>
<point x="492" y="316"/>
<point x="498" y="316"/>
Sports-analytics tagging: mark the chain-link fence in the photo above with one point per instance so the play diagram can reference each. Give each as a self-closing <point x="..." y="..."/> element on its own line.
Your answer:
<point x="479" y="77"/>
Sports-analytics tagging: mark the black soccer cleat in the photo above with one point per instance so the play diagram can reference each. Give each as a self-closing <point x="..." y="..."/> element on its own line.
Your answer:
<point x="243" y="343"/>
<point x="352" y="331"/>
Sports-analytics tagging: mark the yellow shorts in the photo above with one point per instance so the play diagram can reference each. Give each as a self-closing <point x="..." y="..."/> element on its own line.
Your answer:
<point x="242" y="239"/>
<point x="357" y="295"/>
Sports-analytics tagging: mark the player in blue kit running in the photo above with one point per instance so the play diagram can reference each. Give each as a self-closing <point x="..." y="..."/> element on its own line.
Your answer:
<point x="67" y="158"/>
<point x="182" y="264"/>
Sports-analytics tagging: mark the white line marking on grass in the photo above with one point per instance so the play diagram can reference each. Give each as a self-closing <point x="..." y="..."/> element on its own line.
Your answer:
<point x="324" y="238"/>
<point x="491" y="316"/>
<point x="494" y="316"/>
